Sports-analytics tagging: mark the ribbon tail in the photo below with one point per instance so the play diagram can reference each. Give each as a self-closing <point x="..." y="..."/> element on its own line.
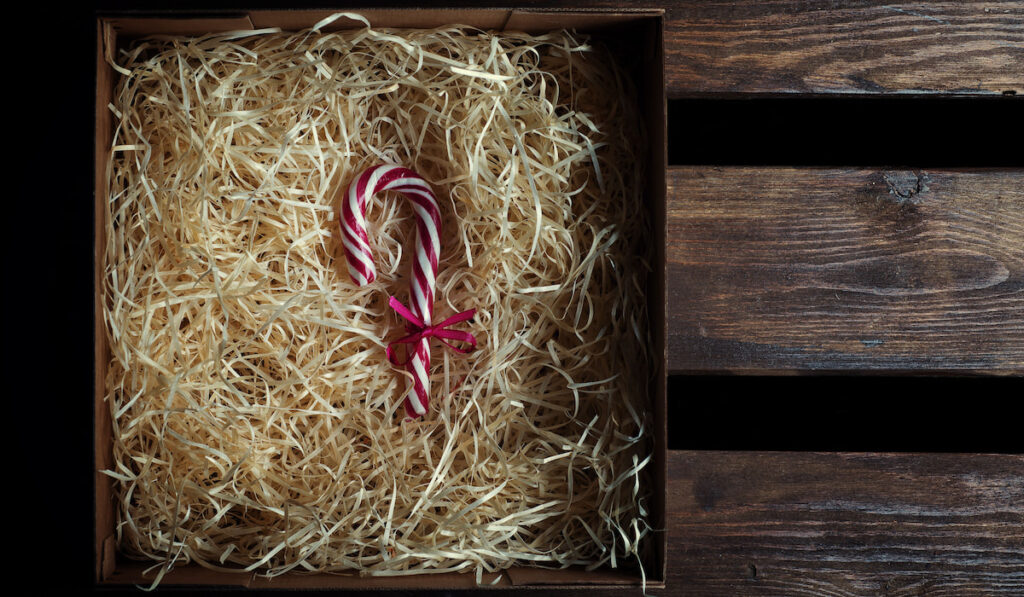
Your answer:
<point x="459" y="336"/>
<point x="457" y="318"/>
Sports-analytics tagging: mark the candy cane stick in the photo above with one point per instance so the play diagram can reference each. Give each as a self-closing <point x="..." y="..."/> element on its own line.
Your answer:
<point x="424" y="265"/>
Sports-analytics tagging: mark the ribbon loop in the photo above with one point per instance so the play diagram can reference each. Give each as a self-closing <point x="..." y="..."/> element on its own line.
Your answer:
<point x="418" y="331"/>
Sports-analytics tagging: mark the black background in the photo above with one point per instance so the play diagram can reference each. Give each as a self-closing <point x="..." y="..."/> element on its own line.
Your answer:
<point x="49" y="288"/>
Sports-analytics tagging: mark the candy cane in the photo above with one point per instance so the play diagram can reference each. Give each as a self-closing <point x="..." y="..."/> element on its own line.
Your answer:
<point x="424" y="270"/>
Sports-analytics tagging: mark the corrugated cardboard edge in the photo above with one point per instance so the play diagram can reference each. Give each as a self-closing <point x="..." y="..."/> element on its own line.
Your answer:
<point x="102" y="456"/>
<point x="111" y="571"/>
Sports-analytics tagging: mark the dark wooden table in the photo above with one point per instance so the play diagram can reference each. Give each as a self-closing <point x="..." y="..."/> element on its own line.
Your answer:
<point x="863" y="261"/>
<point x="857" y="267"/>
<point x="878" y="265"/>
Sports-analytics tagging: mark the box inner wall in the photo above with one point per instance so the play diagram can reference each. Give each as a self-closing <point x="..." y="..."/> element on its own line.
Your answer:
<point x="626" y="30"/>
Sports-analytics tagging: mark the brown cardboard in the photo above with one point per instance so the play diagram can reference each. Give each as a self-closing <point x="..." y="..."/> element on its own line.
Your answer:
<point x="539" y="21"/>
<point x="290" y="20"/>
<point x="143" y="26"/>
<point x="637" y="35"/>
<point x="102" y="455"/>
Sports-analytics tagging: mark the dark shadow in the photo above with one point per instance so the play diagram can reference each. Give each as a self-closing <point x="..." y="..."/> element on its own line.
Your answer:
<point x="845" y="413"/>
<point x="847" y="131"/>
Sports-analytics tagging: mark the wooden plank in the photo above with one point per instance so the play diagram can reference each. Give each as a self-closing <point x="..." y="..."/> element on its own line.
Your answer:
<point x="750" y="523"/>
<point x="776" y="269"/>
<point x="872" y="47"/>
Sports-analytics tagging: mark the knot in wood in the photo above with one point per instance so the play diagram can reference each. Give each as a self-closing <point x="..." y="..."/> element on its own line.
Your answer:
<point x="906" y="186"/>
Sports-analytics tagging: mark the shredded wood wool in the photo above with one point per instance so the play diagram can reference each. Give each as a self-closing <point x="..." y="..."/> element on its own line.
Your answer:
<point x="257" y="424"/>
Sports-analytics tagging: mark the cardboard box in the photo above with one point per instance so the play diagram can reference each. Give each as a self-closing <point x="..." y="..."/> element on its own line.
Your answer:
<point x="636" y="36"/>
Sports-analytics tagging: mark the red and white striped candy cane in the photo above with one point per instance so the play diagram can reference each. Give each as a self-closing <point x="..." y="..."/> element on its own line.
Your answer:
<point x="424" y="270"/>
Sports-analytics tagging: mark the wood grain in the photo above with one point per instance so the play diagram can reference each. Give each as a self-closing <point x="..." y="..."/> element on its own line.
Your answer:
<point x="776" y="269"/>
<point x="872" y="47"/>
<point x="750" y="523"/>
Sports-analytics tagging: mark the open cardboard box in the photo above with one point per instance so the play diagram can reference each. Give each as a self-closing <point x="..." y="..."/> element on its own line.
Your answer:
<point x="636" y="36"/>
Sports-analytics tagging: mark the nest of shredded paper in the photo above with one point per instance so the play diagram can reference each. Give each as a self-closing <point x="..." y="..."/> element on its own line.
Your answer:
<point x="257" y="423"/>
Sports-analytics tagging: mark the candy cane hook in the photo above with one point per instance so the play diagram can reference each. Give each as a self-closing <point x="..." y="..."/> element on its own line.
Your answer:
<point x="424" y="270"/>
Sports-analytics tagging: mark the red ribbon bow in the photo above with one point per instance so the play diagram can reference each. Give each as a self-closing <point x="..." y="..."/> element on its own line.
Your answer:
<point x="418" y="330"/>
